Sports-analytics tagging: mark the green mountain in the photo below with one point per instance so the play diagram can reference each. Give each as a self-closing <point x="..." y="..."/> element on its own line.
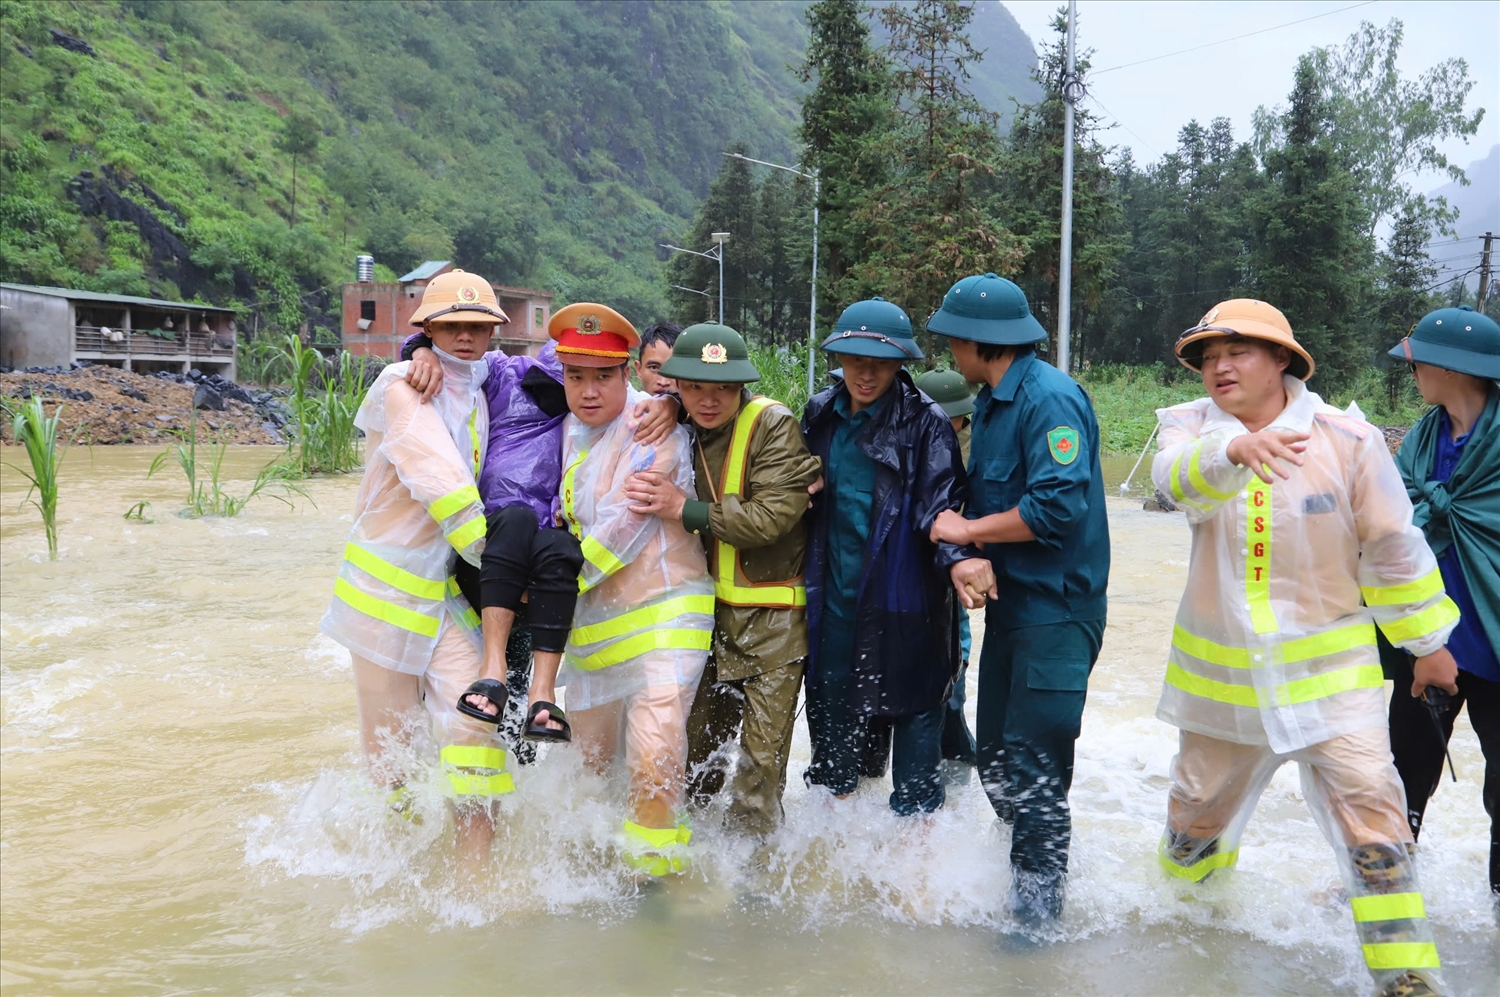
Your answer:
<point x="151" y="146"/>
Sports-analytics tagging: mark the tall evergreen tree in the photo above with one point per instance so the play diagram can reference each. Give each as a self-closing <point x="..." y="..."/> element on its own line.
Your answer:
<point x="729" y="207"/>
<point x="1312" y="257"/>
<point x="1407" y="276"/>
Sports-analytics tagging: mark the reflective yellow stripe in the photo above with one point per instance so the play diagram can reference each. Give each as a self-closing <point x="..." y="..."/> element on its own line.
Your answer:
<point x="478" y="756"/>
<point x="1389" y="907"/>
<point x="645" y="848"/>
<point x="476" y="443"/>
<point x="1421" y="590"/>
<point x="600" y="556"/>
<point x="396" y="578"/>
<point x="1302" y="649"/>
<point x="456" y="757"/>
<point x="1258" y="560"/>
<point x="462" y="536"/>
<point x="470" y="784"/>
<point x="567" y="494"/>
<point x="1199" y="869"/>
<point x="1200" y="482"/>
<point x="1418" y="625"/>
<point x="1402" y="955"/>
<point x="468" y="619"/>
<point x="389" y="612"/>
<point x="1176" y="480"/>
<point x="1219" y="692"/>
<point x="1330" y="684"/>
<point x="788" y="593"/>
<point x="652" y="640"/>
<point x="640" y="619"/>
<point x="454" y="501"/>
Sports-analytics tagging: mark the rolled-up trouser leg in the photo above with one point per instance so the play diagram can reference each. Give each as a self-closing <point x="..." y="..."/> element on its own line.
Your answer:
<point x="471" y="752"/>
<point x="1215" y="786"/>
<point x="765" y="745"/>
<point x="556" y="561"/>
<point x="712" y="723"/>
<point x="1352" y="787"/>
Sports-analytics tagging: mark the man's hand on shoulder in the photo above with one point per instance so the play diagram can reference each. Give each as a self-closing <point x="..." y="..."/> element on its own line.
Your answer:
<point x="424" y="373"/>
<point x="657" y="418"/>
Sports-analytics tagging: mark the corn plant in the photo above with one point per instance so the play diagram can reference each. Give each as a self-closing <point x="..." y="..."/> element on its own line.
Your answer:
<point x="206" y="493"/>
<point x="324" y="437"/>
<point x="32" y="429"/>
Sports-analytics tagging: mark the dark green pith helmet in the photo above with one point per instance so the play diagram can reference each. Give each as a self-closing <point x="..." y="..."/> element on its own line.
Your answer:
<point x="987" y="309"/>
<point x="874" y="328"/>
<point x="1458" y="339"/>
<point x="710" y="352"/>
<point x="949" y="389"/>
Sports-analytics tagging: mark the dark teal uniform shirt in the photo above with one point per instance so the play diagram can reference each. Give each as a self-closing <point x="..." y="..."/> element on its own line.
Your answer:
<point x="1035" y="447"/>
<point x="851" y="487"/>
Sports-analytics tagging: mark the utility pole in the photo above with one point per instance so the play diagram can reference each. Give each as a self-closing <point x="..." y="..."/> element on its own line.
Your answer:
<point x="719" y="239"/>
<point x="1484" y="272"/>
<point x="1065" y="260"/>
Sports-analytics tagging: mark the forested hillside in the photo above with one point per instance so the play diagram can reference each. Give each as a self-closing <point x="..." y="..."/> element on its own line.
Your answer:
<point x="246" y="151"/>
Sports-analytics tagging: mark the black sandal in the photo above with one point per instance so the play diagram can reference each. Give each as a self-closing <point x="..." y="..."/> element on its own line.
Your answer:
<point x="539" y="732"/>
<point x="492" y="689"/>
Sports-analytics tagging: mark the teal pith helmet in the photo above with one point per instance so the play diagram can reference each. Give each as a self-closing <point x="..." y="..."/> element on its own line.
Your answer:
<point x="949" y="389"/>
<point x="1458" y="339"/>
<point x="710" y="352"/>
<point x="874" y="328"/>
<point x="987" y="309"/>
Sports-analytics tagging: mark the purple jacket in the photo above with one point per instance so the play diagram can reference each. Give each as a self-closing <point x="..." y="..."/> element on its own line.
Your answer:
<point x="523" y="462"/>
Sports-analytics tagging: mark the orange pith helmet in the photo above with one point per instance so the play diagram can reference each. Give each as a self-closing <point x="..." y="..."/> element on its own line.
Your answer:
<point x="1248" y="318"/>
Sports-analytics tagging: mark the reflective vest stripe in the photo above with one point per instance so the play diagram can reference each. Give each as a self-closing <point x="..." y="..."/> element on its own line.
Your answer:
<point x="397" y="578"/>
<point x="1402" y="955"/>
<point x="640" y="619"/>
<point x="1179" y="494"/>
<point x="1388" y="907"/>
<point x="457" y="757"/>
<point x="468" y="619"/>
<point x="1199" y="869"/>
<point x="567" y="495"/>
<point x="730" y="584"/>
<point x="388" y="612"/>
<point x="1303" y="690"/>
<point x="1419" y="625"/>
<point x="1200" y="482"/>
<point x="1424" y="588"/>
<point x="454" y="501"/>
<point x="479" y="756"/>
<point x="476" y="444"/>
<point x="462" y="536"/>
<point x="1292" y="651"/>
<point x="600" y="557"/>
<point x="1258" y="560"/>
<point x="652" y="640"/>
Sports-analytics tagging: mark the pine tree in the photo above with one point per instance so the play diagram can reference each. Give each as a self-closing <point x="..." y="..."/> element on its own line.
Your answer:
<point x="1407" y="276"/>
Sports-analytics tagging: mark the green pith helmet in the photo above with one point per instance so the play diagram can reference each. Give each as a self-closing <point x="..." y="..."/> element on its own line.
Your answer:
<point x="874" y="328"/>
<point x="949" y="389"/>
<point x="987" y="309"/>
<point x="1458" y="339"/>
<point x="710" y="352"/>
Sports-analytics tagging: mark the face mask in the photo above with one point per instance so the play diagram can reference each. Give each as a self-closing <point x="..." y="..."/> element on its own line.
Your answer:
<point x="465" y="374"/>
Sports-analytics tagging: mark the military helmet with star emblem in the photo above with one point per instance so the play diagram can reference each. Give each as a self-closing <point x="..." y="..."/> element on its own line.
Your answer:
<point x="712" y="353"/>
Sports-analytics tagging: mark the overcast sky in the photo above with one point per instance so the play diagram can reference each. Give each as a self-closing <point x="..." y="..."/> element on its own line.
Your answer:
<point x="1152" y="102"/>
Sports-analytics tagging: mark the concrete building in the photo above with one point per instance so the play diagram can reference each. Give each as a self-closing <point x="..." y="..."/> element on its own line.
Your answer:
<point x="54" y="326"/>
<point x="377" y="317"/>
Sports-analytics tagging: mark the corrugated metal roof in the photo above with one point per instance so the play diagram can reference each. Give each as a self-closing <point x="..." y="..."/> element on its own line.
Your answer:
<point x="428" y="269"/>
<point x="72" y="294"/>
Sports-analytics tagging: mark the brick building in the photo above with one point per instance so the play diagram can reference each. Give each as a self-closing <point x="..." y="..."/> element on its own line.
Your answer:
<point x="377" y="317"/>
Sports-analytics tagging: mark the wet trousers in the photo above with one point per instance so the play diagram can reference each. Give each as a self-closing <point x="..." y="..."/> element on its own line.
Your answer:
<point x="1352" y="788"/>
<point x="761" y="710"/>
<point x="1419" y="752"/>
<point x="841" y="735"/>
<point x="519" y="558"/>
<point x="1032" y="685"/>
<point x="389" y="704"/>
<point x="650" y="727"/>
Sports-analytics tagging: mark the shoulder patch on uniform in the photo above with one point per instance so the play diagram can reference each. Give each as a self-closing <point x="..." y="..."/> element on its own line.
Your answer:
<point x="1354" y="427"/>
<point x="1062" y="443"/>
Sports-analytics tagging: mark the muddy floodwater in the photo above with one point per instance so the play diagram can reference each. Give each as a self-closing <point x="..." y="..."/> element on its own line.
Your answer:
<point x="182" y="809"/>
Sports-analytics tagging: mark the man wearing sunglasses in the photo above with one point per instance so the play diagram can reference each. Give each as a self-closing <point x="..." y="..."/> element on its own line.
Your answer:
<point x="1302" y="544"/>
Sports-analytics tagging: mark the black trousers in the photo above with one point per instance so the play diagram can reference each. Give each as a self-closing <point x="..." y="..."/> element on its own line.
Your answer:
<point x="519" y="558"/>
<point x="1418" y="750"/>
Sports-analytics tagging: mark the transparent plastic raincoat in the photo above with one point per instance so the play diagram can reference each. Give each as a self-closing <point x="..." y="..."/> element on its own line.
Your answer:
<point x="417" y="505"/>
<point x="1275" y="637"/>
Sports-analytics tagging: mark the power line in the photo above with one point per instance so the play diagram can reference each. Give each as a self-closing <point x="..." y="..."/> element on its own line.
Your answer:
<point x="1223" y="41"/>
<point x="1146" y="145"/>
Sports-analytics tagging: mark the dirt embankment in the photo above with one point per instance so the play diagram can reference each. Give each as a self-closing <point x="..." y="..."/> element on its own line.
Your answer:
<point x="107" y="405"/>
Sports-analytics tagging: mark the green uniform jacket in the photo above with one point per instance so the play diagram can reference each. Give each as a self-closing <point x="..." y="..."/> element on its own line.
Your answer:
<point x="765" y="523"/>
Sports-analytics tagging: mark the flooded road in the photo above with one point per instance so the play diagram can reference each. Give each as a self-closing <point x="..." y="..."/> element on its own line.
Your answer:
<point x="182" y="809"/>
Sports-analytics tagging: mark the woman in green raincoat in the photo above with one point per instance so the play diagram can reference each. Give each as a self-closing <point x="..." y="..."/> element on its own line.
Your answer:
<point x="1451" y="464"/>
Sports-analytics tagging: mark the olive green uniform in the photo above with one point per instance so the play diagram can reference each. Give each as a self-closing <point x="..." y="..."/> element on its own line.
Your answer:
<point x="759" y="652"/>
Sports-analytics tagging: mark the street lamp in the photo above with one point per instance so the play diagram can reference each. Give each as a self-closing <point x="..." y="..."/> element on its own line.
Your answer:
<point x="812" y="314"/>
<point x="717" y="253"/>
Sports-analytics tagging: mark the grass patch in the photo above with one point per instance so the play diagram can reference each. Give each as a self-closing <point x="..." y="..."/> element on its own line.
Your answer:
<point x="783" y="374"/>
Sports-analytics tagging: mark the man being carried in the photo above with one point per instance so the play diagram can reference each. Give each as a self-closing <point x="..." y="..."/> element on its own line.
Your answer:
<point x="753" y="472"/>
<point x="1302" y="542"/>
